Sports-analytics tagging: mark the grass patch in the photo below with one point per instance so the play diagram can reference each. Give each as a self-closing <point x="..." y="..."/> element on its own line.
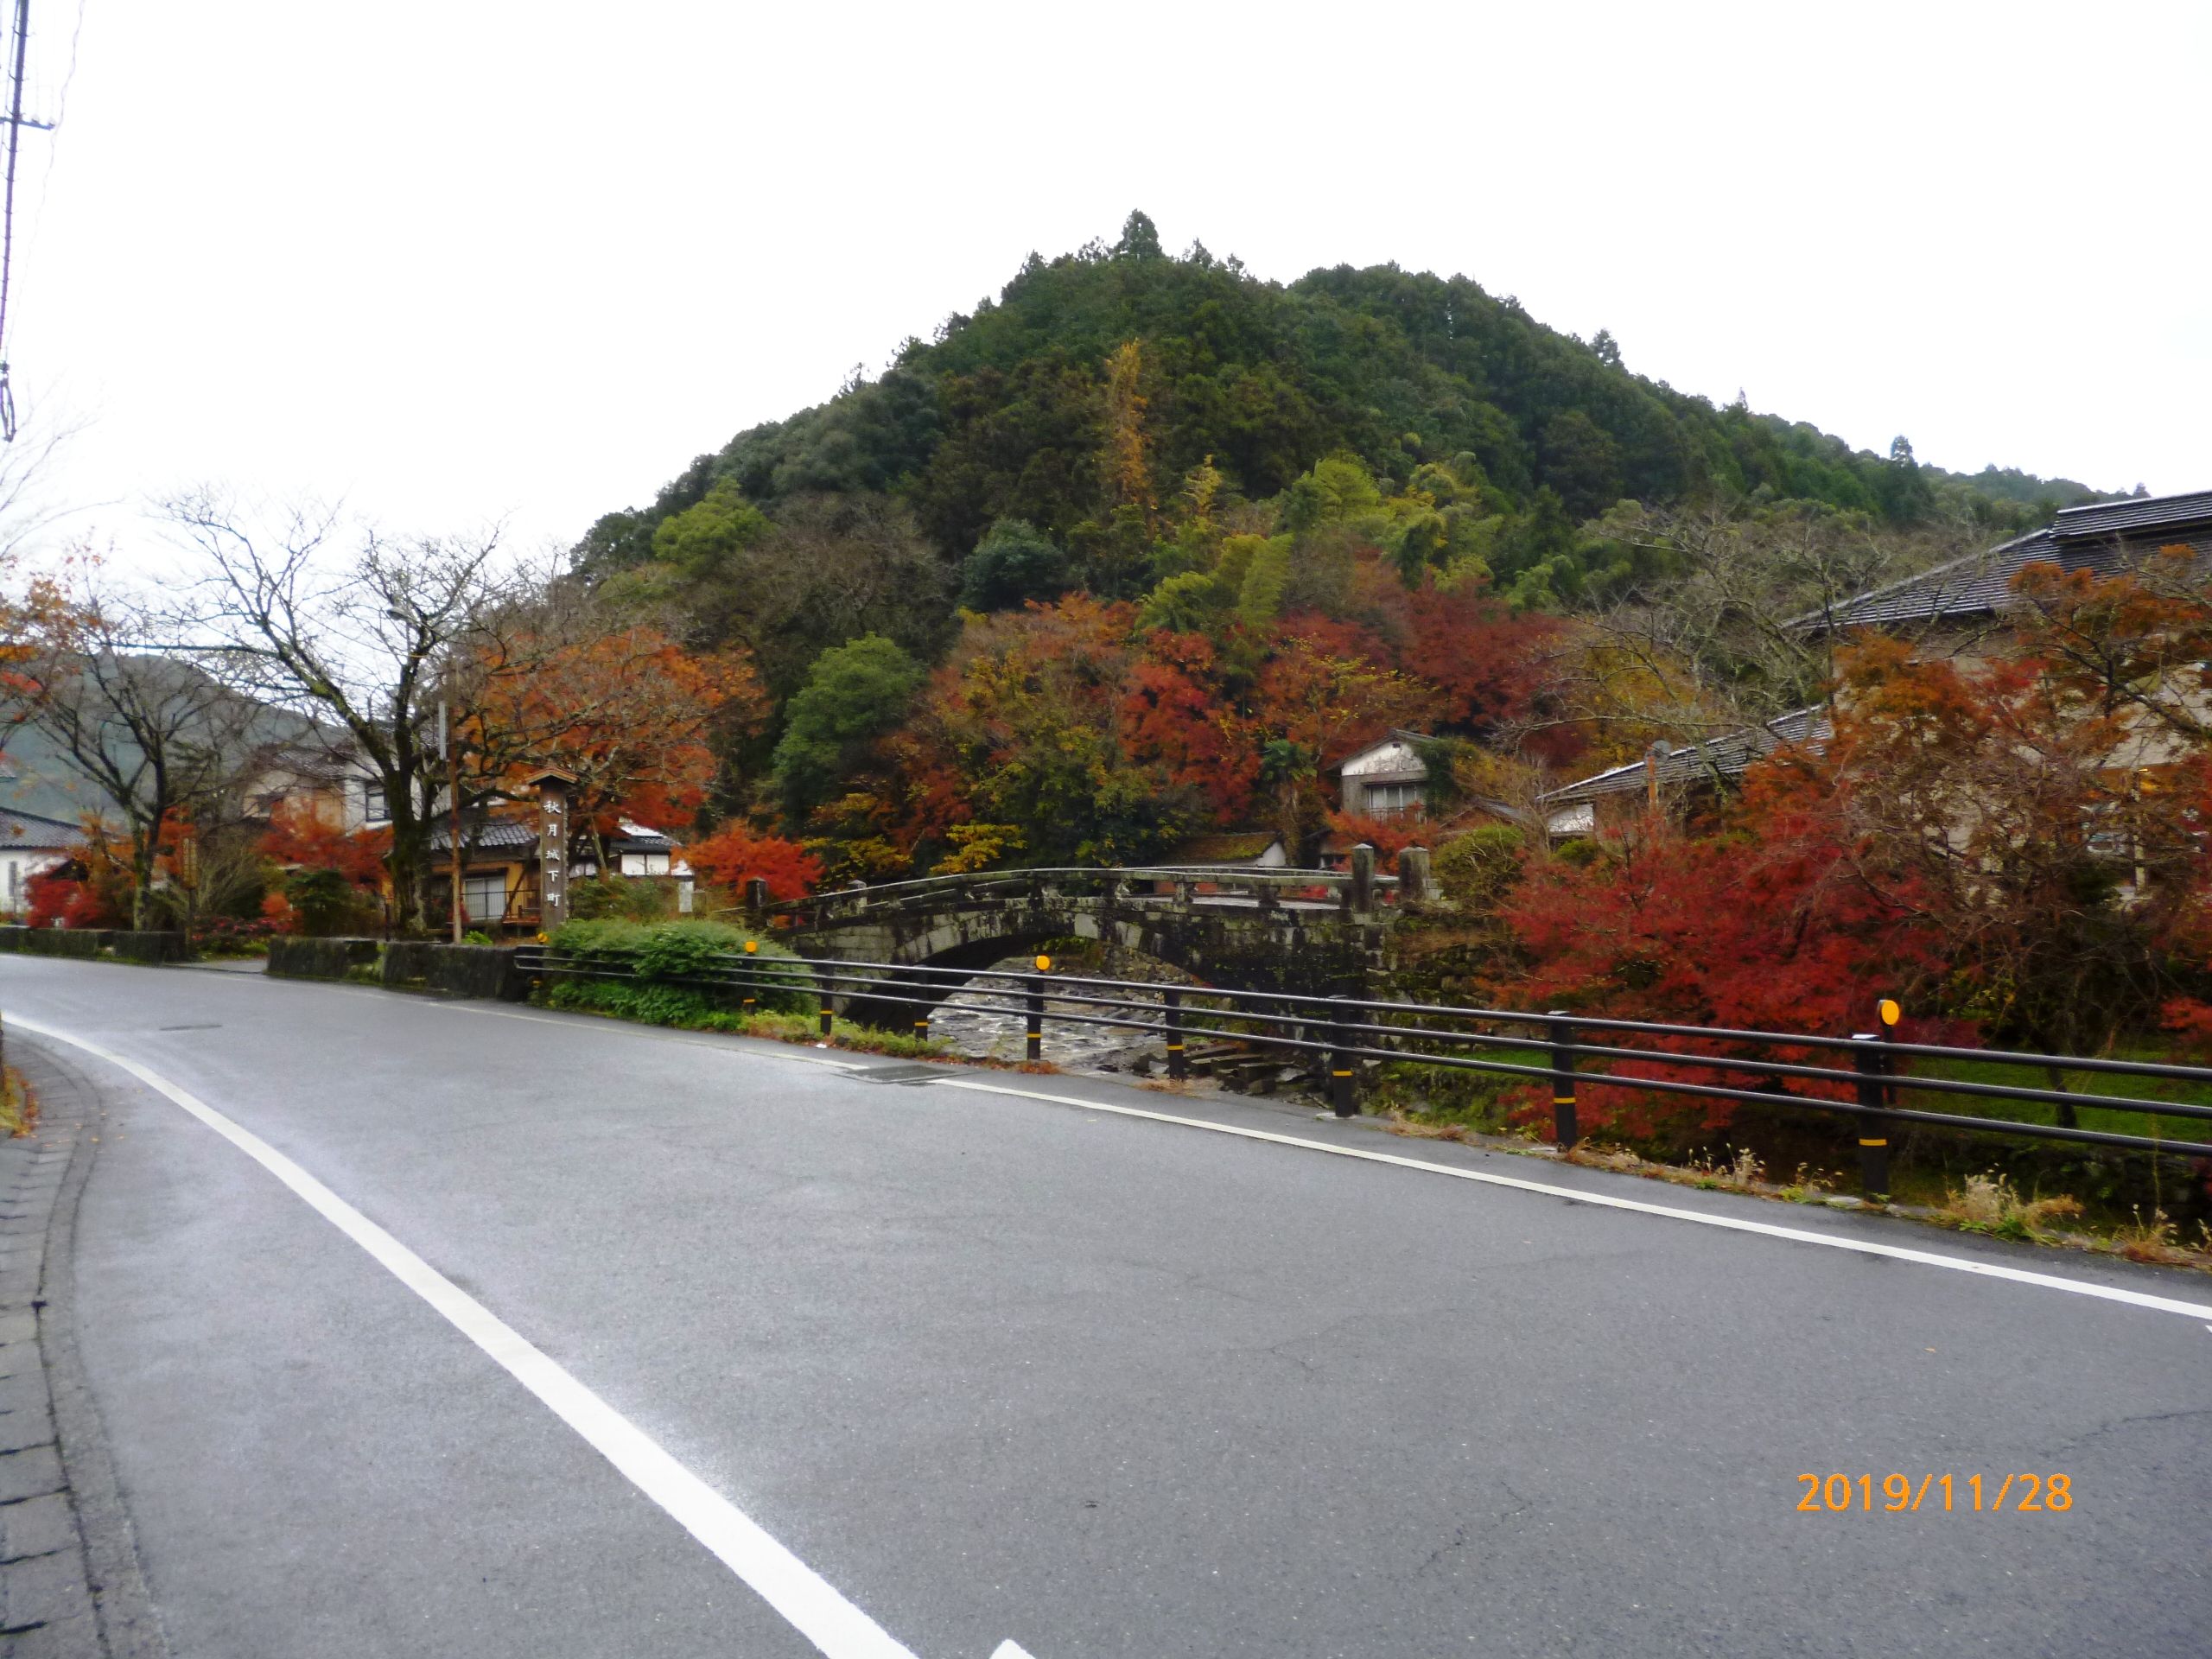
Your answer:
<point x="231" y="950"/>
<point x="1442" y="1102"/>
<point x="2000" y="1076"/>
<point x="681" y="1009"/>
<point x="18" y="1105"/>
<point x="1735" y="1169"/>
<point x="1989" y="1204"/>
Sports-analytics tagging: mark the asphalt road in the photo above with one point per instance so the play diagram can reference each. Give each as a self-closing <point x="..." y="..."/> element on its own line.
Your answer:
<point x="1001" y="1369"/>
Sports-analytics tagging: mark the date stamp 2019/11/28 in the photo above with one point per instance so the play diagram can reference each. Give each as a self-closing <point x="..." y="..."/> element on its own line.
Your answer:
<point x="1897" y="1494"/>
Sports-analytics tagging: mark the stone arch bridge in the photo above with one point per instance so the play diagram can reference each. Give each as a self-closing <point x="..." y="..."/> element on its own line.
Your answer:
<point x="1318" y="932"/>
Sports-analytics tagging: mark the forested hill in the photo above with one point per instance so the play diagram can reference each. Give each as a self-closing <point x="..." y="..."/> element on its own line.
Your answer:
<point x="1098" y="383"/>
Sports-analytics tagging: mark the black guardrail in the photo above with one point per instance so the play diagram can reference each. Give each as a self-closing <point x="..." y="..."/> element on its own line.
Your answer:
<point x="1865" y="1083"/>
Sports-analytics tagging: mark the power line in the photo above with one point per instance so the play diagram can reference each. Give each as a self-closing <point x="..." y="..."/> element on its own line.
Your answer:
<point x="7" y="208"/>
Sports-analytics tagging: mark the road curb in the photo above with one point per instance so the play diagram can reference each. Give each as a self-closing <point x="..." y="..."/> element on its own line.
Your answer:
<point x="70" y="1583"/>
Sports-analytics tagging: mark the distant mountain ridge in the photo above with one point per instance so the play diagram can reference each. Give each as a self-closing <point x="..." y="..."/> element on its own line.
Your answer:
<point x="1036" y="409"/>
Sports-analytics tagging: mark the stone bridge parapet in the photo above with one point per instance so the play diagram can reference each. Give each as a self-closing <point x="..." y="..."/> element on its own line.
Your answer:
<point x="1315" y="932"/>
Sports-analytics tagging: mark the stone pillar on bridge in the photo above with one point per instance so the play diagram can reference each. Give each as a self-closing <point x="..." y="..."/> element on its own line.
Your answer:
<point x="1359" y="892"/>
<point x="1414" y="884"/>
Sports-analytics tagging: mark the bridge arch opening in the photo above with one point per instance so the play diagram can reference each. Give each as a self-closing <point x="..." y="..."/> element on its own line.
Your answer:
<point x="1078" y="946"/>
<point x="984" y="1016"/>
<point x="1210" y="938"/>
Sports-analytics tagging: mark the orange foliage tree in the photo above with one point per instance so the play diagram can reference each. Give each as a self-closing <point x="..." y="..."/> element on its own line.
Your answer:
<point x="300" y="837"/>
<point x="92" y="888"/>
<point x="627" y="712"/>
<point x="1096" y="738"/>
<point x="1177" y="716"/>
<point x="737" y="852"/>
<point x="1321" y="696"/>
<point x="1030" y="724"/>
<point x="2013" y="844"/>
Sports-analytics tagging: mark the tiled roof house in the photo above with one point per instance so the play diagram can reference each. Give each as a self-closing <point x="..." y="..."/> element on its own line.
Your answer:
<point x="1961" y="598"/>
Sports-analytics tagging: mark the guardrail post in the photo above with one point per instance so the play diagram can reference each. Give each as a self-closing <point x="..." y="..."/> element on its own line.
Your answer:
<point x="1034" y="1029"/>
<point x="1171" y="1000"/>
<point x="1874" y="1124"/>
<point x="1565" y="1130"/>
<point x="1344" y="1093"/>
<point x="822" y="993"/>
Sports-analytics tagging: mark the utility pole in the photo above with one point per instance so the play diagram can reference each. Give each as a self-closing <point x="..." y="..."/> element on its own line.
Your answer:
<point x="16" y="123"/>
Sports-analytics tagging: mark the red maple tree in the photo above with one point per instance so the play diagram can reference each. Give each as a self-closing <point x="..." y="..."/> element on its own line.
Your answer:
<point x="737" y="852"/>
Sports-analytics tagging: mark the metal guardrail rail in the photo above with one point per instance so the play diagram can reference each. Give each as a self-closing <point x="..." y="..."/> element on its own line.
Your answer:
<point x="1581" y="1052"/>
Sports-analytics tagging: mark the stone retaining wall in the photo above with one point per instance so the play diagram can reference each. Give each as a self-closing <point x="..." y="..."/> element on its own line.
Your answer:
<point x="290" y="958"/>
<point x="479" y="970"/>
<point x="120" y="942"/>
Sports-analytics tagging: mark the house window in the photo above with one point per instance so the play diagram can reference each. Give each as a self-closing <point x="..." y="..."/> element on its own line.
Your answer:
<point x="1391" y="800"/>
<point x="2106" y="836"/>
<point x="374" y="807"/>
<point x="645" y="864"/>
<point x="484" y="898"/>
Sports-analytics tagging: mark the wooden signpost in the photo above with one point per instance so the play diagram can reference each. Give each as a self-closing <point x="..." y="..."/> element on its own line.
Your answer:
<point x="552" y="846"/>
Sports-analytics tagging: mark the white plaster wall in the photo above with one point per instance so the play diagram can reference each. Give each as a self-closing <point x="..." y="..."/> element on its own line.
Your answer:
<point x="1391" y="759"/>
<point x="16" y="869"/>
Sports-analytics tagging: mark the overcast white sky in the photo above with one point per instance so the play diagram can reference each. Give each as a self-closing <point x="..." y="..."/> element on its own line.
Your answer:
<point x="462" y="260"/>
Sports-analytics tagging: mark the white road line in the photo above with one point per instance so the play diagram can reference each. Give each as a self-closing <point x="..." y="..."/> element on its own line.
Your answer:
<point x="1732" y="1224"/>
<point x="784" y="1582"/>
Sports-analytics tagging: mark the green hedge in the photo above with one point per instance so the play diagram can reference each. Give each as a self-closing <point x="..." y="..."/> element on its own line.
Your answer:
<point x="691" y="1010"/>
<point x="688" y="954"/>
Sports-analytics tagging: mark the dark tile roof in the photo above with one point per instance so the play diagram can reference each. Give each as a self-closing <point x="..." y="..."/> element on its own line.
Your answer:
<point x="641" y="841"/>
<point x="2136" y="517"/>
<point x="499" y="835"/>
<point x="1726" y="756"/>
<point x="26" y="831"/>
<point x="1974" y="586"/>
<point x="2105" y="539"/>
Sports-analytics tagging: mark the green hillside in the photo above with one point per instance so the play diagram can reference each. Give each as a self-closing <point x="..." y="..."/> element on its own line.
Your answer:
<point x="1034" y="409"/>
